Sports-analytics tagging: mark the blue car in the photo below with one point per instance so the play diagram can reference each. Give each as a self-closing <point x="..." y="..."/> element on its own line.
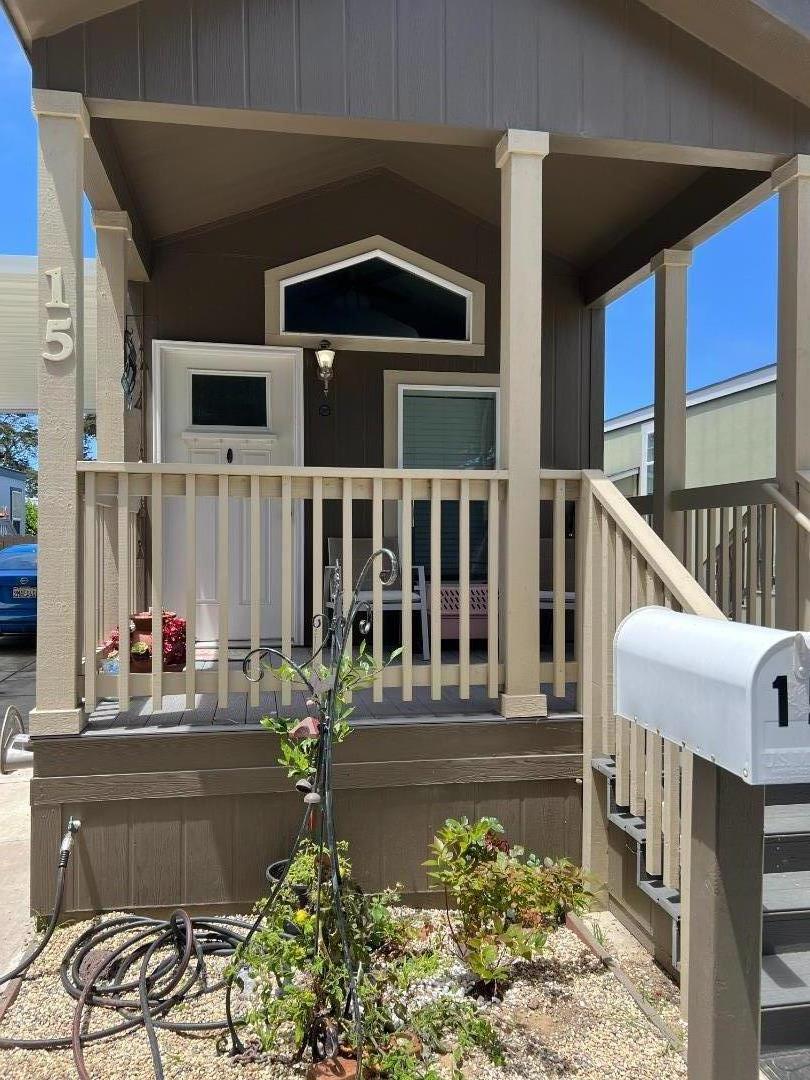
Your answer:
<point x="18" y="589"/>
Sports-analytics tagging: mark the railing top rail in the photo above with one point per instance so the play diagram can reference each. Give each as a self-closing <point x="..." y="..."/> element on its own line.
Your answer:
<point x="652" y="548"/>
<point x="181" y="468"/>
<point x="711" y="496"/>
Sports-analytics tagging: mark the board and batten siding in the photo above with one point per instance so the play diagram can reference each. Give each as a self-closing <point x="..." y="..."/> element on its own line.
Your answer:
<point x="195" y="818"/>
<point x="578" y="67"/>
<point x="209" y="286"/>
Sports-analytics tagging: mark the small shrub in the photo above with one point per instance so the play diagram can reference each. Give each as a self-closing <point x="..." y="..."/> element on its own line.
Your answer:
<point x="505" y="901"/>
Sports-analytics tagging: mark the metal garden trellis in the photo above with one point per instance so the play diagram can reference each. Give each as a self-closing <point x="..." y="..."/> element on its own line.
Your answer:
<point x="318" y="820"/>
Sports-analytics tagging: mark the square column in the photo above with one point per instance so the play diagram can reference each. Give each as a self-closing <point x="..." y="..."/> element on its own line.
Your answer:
<point x="113" y="236"/>
<point x="63" y="125"/>
<point x="520" y="156"/>
<point x="669" y="469"/>
<point x="792" y="181"/>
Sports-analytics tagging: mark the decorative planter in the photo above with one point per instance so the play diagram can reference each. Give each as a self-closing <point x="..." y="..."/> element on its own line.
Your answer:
<point x="141" y="634"/>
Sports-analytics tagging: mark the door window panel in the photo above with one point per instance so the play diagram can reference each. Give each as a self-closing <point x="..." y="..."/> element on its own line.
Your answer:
<point x="228" y="401"/>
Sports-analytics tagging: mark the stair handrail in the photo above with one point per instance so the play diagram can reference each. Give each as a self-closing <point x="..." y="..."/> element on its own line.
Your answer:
<point x="677" y="579"/>
<point x="786" y="506"/>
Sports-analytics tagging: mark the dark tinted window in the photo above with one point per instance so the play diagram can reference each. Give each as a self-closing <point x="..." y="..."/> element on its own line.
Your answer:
<point x="229" y="400"/>
<point x="374" y="298"/>
<point x="12" y="558"/>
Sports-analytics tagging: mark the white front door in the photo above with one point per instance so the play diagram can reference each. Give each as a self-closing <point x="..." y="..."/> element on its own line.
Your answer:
<point x="228" y="405"/>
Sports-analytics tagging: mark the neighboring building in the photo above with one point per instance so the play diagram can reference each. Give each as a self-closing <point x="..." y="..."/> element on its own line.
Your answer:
<point x="430" y="202"/>
<point x="12" y="501"/>
<point x="20" y="333"/>
<point x="730" y="435"/>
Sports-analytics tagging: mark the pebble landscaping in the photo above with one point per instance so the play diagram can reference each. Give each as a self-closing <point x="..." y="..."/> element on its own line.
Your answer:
<point x="563" y="1016"/>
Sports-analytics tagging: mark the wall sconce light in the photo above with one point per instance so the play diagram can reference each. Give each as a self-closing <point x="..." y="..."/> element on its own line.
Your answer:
<point x="325" y="355"/>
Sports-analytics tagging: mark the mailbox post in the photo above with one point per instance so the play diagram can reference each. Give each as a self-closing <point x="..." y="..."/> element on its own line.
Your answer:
<point x="738" y="698"/>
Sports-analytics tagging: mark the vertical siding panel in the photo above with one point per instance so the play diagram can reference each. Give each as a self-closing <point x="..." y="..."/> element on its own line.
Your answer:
<point x="322" y="56"/>
<point x="515" y="64"/>
<point x="603" y="69"/>
<point x="468" y="56"/>
<point x="732" y="103"/>
<point x="646" y="79"/>
<point x="272" y="55"/>
<point x="420" y="67"/>
<point x="112" y="55"/>
<point x="690" y="73"/>
<point x="166" y="33"/>
<point x="65" y="60"/>
<point x="560" y="69"/>
<point x="218" y="40"/>
<point x="370" y="52"/>
<point x="155" y="853"/>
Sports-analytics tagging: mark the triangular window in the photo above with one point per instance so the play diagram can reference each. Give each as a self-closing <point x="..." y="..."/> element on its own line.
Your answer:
<point x="375" y="295"/>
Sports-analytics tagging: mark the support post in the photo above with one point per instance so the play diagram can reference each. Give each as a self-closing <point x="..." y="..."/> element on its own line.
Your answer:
<point x="590" y="644"/>
<point x="63" y="125"/>
<point x="113" y="235"/>
<point x="669" y="470"/>
<point x="725" y="915"/>
<point x="520" y="156"/>
<point x="792" y="181"/>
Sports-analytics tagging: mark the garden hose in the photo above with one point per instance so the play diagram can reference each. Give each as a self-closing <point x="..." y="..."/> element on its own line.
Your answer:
<point x="135" y="966"/>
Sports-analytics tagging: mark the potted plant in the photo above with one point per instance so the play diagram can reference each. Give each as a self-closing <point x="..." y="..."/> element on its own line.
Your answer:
<point x="140" y="636"/>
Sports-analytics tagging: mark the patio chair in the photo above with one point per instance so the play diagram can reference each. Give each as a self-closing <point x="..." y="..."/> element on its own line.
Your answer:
<point x="391" y="596"/>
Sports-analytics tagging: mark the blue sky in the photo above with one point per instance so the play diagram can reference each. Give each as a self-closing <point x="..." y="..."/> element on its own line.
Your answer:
<point x="732" y="281"/>
<point x="18" y="153"/>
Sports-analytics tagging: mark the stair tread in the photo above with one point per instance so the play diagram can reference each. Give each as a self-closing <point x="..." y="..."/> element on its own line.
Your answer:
<point x="787" y="820"/>
<point x="788" y="1065"/>
<point x="785" y="980"/>
<point x="786" y="892"/>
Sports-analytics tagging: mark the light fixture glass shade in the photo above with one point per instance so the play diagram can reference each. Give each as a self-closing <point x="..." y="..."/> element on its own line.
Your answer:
<point x="325" y="355"/>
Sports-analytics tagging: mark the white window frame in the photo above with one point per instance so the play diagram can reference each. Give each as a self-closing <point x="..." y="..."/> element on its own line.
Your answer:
<point x="21" y="519"/>
<point x="429" y="389"/>
<point x="229" y="373"/>
<point x="279" y="278"/>
<point x="403" y="264"/>
<point x="647" y="429"/>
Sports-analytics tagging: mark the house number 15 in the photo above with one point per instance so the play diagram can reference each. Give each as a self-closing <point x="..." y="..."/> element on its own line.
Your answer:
<point x="57" y="330"/>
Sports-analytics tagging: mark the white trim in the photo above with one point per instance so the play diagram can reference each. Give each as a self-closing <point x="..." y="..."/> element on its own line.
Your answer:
<point x="647" y="429"/>
<point x="296" y="355"/>
<point x="623" y="474"/>
<point x="428" y="388"/>
<point x="748" y="380"/>
<point x="393" y="260"/>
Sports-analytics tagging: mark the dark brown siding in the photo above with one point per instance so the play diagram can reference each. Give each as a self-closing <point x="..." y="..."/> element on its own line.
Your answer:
<point x="210" y="287"/>
<point x="614" y="70"/>
<point x="194" y="819"/>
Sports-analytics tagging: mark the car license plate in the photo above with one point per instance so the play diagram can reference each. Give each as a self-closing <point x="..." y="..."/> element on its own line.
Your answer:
<point x="23" y="592"/>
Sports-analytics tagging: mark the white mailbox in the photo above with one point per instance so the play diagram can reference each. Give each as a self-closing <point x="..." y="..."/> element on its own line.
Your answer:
<point x="734" y="694"/>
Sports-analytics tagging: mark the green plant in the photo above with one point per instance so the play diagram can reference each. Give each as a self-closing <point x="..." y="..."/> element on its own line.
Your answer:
<point x="504" y="901"/>
<point x="139" y="648"/>
<point x="31" y="517"/>
<point x="299" y="736"/>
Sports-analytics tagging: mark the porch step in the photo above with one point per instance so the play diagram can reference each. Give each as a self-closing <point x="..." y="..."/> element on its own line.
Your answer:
<point x="632" y="825"/>
<point x="785" y="988"/>
<point x="790" y="1065"/>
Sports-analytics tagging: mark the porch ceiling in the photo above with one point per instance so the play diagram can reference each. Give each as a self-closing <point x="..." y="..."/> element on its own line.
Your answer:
<point x="185" y="177"/>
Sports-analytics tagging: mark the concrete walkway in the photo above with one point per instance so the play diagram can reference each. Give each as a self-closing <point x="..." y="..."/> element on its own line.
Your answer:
<point x="16" y="688"/>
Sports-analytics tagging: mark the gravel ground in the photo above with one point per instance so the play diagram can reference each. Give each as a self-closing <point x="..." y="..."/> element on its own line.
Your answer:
<point x="563" y="1016"/>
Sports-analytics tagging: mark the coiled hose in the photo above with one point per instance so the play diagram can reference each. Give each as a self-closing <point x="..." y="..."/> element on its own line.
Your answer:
<point x="137" y="967"/>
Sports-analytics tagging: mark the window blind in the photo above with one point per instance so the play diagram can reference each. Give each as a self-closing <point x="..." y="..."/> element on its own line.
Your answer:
<point x="449" y="429"/>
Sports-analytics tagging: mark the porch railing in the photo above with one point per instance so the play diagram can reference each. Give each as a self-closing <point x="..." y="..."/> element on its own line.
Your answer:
<point x="625" y="565"/>
<point x="729" y="542"/>
<point x="381" y="500"/>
